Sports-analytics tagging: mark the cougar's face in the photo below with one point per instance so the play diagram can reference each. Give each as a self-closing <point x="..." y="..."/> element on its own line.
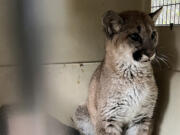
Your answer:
<point x="133" y="34"/>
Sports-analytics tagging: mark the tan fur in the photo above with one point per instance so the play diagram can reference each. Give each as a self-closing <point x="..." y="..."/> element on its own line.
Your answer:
<point x="122" y="92"/>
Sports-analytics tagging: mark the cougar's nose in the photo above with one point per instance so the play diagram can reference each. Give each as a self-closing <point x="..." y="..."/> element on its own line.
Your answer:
<point x="150" y="52"/>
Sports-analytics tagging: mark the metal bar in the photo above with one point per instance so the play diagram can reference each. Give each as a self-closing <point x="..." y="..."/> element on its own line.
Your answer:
<point x="163" y="14"/>
<point x="152" y="3"/>
<point x="166" y="14"/>
<point x="179" y="15"/>
<point x="170" y="11"/>
<point x="175" y="13"/>
<point x="155" y="3"/>
<point x="159" y="19"/>
<point x="166" y="5"/>
<point x="169" y="6"/>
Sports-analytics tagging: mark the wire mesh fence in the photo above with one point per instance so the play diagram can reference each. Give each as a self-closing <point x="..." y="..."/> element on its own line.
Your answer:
<point x="170" y="13"/>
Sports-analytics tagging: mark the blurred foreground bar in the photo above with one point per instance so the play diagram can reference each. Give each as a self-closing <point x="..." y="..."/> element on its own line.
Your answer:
<point x="27" y="117"/>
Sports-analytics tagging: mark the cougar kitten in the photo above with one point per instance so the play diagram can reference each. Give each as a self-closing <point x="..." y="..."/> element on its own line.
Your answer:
<point x="122" y="91"/>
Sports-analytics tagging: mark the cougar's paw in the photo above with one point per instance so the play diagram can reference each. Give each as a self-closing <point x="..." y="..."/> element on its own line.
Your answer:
<point x="112" y="130"/>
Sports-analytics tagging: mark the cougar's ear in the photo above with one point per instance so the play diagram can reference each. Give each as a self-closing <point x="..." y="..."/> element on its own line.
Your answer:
<point x="155" y="14"/>
<point x="112" y="23"/>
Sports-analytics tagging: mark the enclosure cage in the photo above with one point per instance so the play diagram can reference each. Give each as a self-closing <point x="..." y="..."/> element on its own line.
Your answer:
<point x="50" y="49"/>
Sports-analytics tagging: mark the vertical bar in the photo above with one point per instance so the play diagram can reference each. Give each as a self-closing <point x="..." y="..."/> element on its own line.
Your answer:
<point x="166" y="13"/>
<point x="162" y="2"/>
<point x="175" y="13"/>
<point x="155" y="4"/>
<point x="170" y="11"/>
<point x="158" y="20"/>
<point x="154" y="8"/>
<point x="179" y="15"/>
<point x="160" y="17"/>
<point x="152" y="4"/>
<point x="30" y="46"/>
<point x="158" y="3"/>
<point x="163" y="13"/>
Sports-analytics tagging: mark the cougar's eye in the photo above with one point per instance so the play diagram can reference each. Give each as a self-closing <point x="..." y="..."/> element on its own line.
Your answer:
<point x="136" y="37"/>
<point x="153" y="35"/>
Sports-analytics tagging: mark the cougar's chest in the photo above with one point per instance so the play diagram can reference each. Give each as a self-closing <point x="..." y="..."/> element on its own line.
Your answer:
<point x="126" y="100"/>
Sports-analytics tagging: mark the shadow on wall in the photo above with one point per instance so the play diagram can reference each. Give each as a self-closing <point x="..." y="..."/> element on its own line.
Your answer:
<point x="167" y="46"/>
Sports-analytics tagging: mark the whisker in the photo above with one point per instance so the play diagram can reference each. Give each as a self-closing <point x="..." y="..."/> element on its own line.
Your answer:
<point x="163" y="60"/>
<point x="158" y="62"/>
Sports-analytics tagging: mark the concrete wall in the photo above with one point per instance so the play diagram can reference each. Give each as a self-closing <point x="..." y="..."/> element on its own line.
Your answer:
<point x="71" y="31"/>
<point x="168" y="80"/>
<point x="66" y="86"/>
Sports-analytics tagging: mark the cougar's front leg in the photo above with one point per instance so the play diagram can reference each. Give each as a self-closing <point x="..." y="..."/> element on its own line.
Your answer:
<point x="108" y="128"/>
<point x="144" y="128"/>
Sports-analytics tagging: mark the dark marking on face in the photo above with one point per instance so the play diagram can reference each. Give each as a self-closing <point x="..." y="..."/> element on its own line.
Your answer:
<point x="136" y="37"/>
<point x="110" y="125"/>
<point x="110" y="120"/>
<point x="153" y="35"/>
<point x="149" y="52"/>
<point x="137" y="55"/>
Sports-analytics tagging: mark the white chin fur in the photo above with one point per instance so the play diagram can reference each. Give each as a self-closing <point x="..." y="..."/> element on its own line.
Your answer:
<point x="154" y="55"/>
<point x="146" y="58"/>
